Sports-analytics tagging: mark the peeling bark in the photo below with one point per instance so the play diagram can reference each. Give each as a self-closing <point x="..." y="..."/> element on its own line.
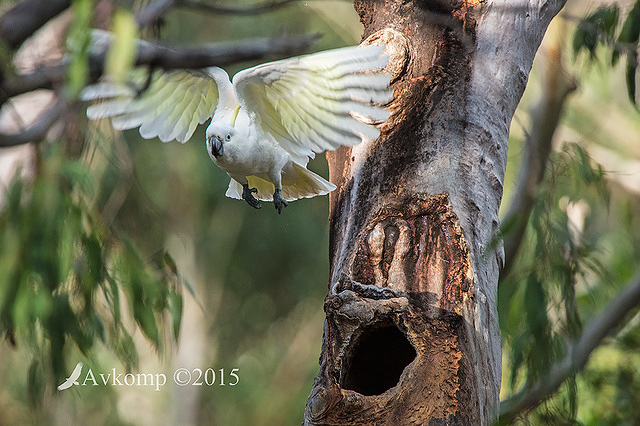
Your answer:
<point x="411" y="333"/>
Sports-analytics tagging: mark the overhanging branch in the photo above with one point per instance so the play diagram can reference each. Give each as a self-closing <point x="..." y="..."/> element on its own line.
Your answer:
<point x="38" y="130"/>
<point x="157" y="56"/>
<point x="254" y="9"/>
<point x="612" y="316"/>
<point x="227" y="53"/>
<point x="220" y="54"/>
<point x="23" y="19"/>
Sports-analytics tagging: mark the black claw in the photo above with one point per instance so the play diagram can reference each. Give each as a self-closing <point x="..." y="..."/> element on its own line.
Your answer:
<point x="278" y="201"/>
<point x="247" y="195"/>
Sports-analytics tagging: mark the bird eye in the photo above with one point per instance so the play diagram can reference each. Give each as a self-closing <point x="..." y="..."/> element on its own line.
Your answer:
<point x="228" y="137"/>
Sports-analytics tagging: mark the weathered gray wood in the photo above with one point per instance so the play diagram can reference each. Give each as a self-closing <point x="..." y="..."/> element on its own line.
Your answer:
<point x="411" y="335"/>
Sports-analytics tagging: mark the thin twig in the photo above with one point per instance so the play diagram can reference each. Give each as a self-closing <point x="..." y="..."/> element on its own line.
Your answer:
<point x="152" y="12"/>
<point x="125" y="181"/>
<point x="254" y="9"/>
<point x="611" y="317"/>
<point x="37" y="131"/>
<point x="220" y="54"/>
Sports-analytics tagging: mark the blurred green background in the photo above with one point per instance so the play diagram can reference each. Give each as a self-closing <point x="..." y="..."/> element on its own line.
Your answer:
<point x="253" y="282"/>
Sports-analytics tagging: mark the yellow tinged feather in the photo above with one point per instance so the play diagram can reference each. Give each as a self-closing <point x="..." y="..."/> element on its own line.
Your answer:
<point x="235" y="115"/>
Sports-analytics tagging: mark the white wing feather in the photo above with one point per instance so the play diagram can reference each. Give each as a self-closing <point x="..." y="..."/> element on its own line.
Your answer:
<point x="311" y="103"/>
<point x="170" y="108"/>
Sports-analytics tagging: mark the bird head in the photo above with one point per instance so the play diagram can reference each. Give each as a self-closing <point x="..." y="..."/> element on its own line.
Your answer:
<point x="217" y="135"/>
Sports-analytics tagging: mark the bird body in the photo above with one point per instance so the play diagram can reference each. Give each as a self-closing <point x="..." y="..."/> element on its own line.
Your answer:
<point x="254" y="158"/>
<point x="268" y="122"/>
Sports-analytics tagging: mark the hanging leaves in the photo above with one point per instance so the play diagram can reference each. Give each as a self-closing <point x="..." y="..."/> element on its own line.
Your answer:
<point x="540" y="311"/>
<point x="601" y="27"/>
<point x="64" y="276"/>
<point x="598" y="27"/>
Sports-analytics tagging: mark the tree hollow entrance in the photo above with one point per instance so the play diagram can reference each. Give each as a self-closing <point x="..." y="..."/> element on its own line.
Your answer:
<point x="377" y="360"/>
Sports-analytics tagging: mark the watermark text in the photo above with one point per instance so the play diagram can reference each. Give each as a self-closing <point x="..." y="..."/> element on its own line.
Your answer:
<point x="181" y="377"/>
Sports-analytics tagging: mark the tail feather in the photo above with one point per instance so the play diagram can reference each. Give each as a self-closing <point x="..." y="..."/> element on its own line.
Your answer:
<point x="297" y="182"/>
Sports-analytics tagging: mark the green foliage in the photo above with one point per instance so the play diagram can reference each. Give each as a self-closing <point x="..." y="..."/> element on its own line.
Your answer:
<point x="600" y="27"/>
<point x="540" y="303"/>
<point x="629" y="35"/>
<point x="64" y="276"/>
<point x="259" y="278"/>
<point x="78" y="45"/>
<point x="614" y="398"/>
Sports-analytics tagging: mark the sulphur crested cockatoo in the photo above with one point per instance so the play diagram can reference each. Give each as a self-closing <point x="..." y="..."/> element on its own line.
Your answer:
<point x="267" y="123"/>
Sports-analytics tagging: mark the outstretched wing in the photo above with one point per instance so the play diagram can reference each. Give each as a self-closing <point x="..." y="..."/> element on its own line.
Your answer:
<point x="315" y="103"/>
<point x="170" y="108"/>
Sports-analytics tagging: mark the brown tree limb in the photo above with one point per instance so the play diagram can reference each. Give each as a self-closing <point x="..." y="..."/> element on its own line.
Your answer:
<point x="155" y="56"/>
<point x="23" y="19"/>
<point x="38" y="130"/>
<point x="227" y="53"/>
<point x="44" y="78"/>
<point x="220" y="54"/>
<point x="611" y="317"/>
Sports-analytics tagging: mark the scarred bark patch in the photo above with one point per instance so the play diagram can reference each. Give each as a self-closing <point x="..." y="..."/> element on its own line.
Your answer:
<point x="417" y="249"/>
<point x="397" y="345"/>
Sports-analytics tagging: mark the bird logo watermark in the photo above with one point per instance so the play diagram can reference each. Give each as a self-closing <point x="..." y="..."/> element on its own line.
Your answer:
<point x="181" y="376"/>
<point x="72" y="379"/>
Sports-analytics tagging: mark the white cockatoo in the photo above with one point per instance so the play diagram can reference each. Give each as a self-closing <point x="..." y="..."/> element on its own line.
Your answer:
<point x="267" y="123"/>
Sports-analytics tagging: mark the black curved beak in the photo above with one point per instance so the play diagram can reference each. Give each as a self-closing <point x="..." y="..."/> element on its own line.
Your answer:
<point x="215" y="144"/>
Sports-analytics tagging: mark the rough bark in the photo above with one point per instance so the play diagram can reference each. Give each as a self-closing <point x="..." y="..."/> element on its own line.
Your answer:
<point x="411" y="333"/>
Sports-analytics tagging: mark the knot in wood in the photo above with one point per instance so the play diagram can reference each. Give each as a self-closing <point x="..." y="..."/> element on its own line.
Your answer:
<point x="319" y="403"/>
<point x="396" y="47"/>
<point x="332" y="303"/>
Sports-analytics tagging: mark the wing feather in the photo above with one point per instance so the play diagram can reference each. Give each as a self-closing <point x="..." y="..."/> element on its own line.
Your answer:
<point x="332" y="118"/>
<point x="171" y="108"/>
<point x="334" y="129"/>
<point x="315" y="102"/>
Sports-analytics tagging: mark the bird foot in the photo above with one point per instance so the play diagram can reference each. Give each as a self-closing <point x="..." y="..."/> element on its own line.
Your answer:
<point x="278" y="201"/>
<point x="247" y="195"/>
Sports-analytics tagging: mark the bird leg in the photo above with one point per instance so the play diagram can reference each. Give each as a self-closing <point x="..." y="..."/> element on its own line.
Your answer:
<point x="247" y="195"/>
<point x="278" y="201"/>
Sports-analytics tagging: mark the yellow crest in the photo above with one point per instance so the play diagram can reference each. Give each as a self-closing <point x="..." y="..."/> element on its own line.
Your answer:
<point x="234" y="116"/>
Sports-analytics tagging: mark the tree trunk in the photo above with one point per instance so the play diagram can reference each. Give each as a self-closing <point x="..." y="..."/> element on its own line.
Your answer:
<point x="411" y="332"/>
